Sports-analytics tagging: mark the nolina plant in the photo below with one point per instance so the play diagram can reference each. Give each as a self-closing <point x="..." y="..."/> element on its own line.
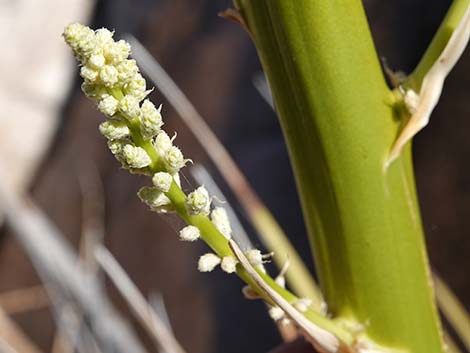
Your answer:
<point x="355" y="181"/>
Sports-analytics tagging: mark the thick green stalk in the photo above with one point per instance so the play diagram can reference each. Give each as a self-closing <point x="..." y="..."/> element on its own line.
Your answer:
<point x="363" y="221"/>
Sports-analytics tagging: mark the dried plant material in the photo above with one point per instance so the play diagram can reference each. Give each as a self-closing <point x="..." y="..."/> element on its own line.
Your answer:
<point x="323" y="340"/>
<point x="431" y="87"/>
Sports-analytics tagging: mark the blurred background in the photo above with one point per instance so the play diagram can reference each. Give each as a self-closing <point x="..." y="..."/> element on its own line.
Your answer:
<point x="50" y="147"/>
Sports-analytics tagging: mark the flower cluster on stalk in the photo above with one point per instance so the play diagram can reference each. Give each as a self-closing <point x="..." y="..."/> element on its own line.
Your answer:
<point x="135" y="136"/>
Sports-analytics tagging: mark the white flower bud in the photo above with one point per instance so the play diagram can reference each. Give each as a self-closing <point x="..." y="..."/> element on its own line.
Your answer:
<point x="220" y="219"/>
<point x="127" y="70"/>
<point x="302" y="304"/>
<point x="81" y="39"/>
<point x="135" y="156"/>
<point x="189" y="233"/>
<point x="208" y="262"/>
<point x="174" y="160"/>
<point x="136" y="86"/>
<point x="198" y="202"/>
<point x="114" y="129"/>
<point x="229" y="264"/>
<point x="116" y="146"/>
<point x="411" y="100"/>
<point x="129" y="106"/>
<point x="108" y="105"/>
<point x="254" y="257"/>
<point x="88" y="73"/>
<point x="116" y="52"/>
<point x="104" y="37"/>
<point x="109" y="75"/>
<point x="162" y="181"/>
<point x="94" y="91"/>
<point x="156" y="200"/>
<point x="162" y="143"/>
<point x="96" y="61"/>
<point x="150" y="120"/>
<point x="276" y="313"/>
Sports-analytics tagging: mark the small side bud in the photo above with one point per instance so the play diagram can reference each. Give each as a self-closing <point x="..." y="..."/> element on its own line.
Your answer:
<point x="198" y="202"/>
<point x="255" y="257"/>
<point x="108" y="105"/>
<point x="96" y="61"/>
<point x="114" y="129"/>
<point x="189" y="233"/>
<point x="156" y="200"/>
<point x="150" y="120"/>
<point x="249" y="293"/>
<point x="220" y="219"/>
<point x="162" y="181"/>
<point x="174" y="160"/>
<point x="411" y="100"/>
<point x="109" y="75"/>
<point x="136" y="157"/>
<point x="88" y="74"/>
<point x="129" y="106"/>
<point x="162" y="143"/>
<point x="276" y="313"/>
<point x="229" y="264"/>
<point x="302" y="304"/>
<point x="208" y="262"/>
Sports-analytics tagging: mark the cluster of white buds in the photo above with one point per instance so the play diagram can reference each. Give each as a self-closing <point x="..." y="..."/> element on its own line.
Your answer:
<point x="115" y="83"/>
<point x="198" y="202"/>
<point x="276" y="313"/>
<point x="134" y="131"/>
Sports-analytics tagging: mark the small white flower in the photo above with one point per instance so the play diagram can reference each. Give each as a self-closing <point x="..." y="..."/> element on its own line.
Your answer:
<point x="88" y="73"/>
<point x="156" y="200"/>
<point x="208" y="262"/>
<point x="96" y="61"/>
<point x="116" y="146"/>
<point x="114" y="129"/>
<point x="189" y="233"/>
<point x="129" y="106"/>
<point x="81" y="39"/>
<point x="411" y="100"/>
<point x="94" y="91"/>
<point x="117" y="52"/>
<point x="276" y="313"/>
<point x="137" y="87"/>
<point x="162" y="143"/>
<point x="127" y="70"/>
<point x="198" y="202"/>
<point x="229" y="264"/>
<point x="108" y="105"/>
<point x="104" y="37"/>
<point x="162" y="181"/>
<point x="109" y="75"/>
<point x="174" y="160"/>
<point x="135" y="156"/>
<point x="150" y="120"/>
<point x="302" y="304"/>
<point x="254" y="256"/>
<point x="220" y="219"/>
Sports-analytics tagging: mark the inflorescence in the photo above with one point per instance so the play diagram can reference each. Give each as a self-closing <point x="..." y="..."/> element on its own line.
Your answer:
<point x="135" y="137"/>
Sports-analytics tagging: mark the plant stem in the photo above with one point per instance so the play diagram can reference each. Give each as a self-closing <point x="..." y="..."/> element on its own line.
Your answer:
<point x="438" y="43"/>
<point x="363" y="221"/>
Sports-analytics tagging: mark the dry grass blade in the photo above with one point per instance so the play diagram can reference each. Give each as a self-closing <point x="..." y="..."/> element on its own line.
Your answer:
<point x="58" y="266"/>
<point x="12" y="338"/>
<point x="24" y="299"/>
<point x="161" y="335"/>
<point x="453" y="310"/>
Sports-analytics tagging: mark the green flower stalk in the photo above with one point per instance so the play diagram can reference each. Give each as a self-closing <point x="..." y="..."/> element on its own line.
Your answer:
<point x="135" y="137"/>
